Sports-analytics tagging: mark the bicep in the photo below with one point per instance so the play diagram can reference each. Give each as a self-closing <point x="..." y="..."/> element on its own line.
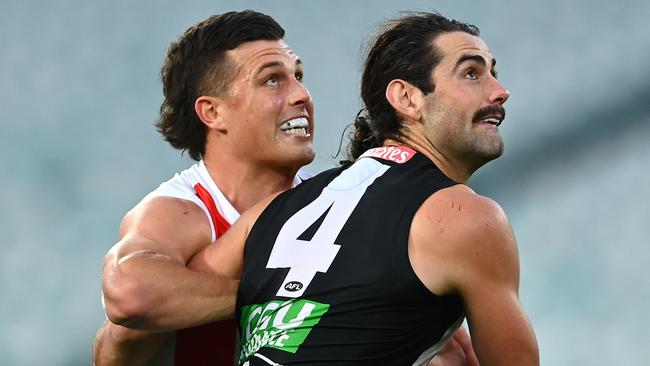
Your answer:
<point x="156" y="235"/>
<point x="463" y="244"/>
<point x="501" y="332"/>
<point x="488" y="283"/>
<point x="163" y="228"/>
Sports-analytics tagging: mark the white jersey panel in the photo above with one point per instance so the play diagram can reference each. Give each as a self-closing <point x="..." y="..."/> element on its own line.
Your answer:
<point x="182" y="186"/>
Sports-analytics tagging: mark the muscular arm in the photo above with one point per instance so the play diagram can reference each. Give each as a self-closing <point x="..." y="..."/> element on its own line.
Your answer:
<point x="226" y="258"/>
<point x="462" y="243"/>
<point x="147" y="286"/>
<point x="116" y="345"/>
<point x="146" y="282"/>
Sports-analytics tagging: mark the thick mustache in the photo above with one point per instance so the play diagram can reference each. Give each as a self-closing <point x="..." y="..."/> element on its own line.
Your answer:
<point x="490" y="111"/>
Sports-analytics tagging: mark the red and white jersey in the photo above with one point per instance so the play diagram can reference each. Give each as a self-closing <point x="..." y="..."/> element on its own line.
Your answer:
<point x="195" y="184"/>
<point x="184" y="186"/>
<point x="210" y="344"/>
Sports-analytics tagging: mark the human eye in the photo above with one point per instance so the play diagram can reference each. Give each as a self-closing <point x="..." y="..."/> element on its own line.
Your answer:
<point x="271" y="80"/>
<point x="471" y="74"/>
<point x="299" y="76"/>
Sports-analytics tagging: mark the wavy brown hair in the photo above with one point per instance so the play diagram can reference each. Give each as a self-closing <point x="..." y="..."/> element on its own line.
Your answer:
<point x="403" y="49"/>
<point x="196" y="64"/>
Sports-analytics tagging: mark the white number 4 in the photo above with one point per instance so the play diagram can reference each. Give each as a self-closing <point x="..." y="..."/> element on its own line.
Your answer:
<point x="305" y="258"/>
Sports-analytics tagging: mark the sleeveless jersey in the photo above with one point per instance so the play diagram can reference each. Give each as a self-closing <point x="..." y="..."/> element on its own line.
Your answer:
<point x="209" y="344"/>
<point x="327" y="278"/>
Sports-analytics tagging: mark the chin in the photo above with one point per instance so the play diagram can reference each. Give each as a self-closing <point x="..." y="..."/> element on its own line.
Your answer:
<point x="486" y="154"/>
<point x="298" y="157"/>
<point x="491" y="149"/>
<point x="307" y="157"/>
<point x="494" y="153"/>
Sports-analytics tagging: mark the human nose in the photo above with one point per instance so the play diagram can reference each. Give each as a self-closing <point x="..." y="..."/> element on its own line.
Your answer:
<point x="299" y="95"/>
<point x="499" y="93"/>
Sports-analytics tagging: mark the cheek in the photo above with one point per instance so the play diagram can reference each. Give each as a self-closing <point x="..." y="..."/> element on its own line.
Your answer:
<point x="461" y="110"/>
<point x="262" y="119"/>
<point x="276" y="100"/>
<point x="446" y="110"/>
<point x="265" y="106"/>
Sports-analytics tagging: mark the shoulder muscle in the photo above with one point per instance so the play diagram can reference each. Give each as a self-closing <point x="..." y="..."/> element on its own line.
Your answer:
<point x="467" y="236"/>
<point x="167" y="226"/>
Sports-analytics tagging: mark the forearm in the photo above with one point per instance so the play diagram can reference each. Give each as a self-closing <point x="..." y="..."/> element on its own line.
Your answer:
<point x="157" y="294"/>
<point x="115" y="346"/>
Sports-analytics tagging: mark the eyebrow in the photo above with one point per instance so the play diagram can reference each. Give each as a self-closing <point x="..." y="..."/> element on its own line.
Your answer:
<point x="271" y="64"/>
<point x="475" y="58"/>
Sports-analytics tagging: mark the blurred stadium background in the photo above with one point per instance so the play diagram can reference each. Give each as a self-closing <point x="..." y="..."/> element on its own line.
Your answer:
<point x="80" y="90"/>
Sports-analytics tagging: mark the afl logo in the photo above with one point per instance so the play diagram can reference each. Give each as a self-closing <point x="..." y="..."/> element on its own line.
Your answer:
<point x="293" y="286"/>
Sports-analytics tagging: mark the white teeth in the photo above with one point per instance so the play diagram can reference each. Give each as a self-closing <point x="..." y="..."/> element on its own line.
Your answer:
<point x="297" y="131"/>
<point x="492" y="120"/>
<point x="297" y="123"/>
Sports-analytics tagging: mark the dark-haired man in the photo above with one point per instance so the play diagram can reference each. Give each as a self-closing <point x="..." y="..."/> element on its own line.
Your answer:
<point x="234" y="100"/>
<point x="378" y="262"/>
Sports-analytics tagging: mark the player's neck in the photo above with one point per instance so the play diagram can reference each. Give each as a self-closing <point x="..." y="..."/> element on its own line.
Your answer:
<point x="245" y="183"/>
<point x="451" y="169"/>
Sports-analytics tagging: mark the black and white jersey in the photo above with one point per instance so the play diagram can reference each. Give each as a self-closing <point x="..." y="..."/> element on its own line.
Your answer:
<point x="327" y="278"/>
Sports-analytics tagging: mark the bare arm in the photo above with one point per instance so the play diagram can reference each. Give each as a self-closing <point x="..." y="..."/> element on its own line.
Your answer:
<point x="148" y="286"/>
<point x="146" y="282"/>
<point x="462" y="243"/>
<point x="154" y="280"/>
<point x="116" y="345"/>
<point x="226" y="258"/>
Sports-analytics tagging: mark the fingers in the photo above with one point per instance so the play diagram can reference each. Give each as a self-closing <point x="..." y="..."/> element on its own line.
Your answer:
<point x="461" y="336"/>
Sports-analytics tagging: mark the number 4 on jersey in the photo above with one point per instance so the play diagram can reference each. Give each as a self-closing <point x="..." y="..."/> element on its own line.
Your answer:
<point x="305" y="258"/>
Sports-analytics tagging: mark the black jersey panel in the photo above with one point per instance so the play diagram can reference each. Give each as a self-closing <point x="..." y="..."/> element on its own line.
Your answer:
<point x="359" y="300"/>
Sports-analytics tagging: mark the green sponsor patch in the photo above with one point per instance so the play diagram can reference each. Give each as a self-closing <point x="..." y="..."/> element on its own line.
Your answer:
<point x="282" y="325"/>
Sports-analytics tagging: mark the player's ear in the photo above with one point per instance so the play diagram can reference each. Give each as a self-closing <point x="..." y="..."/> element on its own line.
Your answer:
<point x="210" y="111"/>
<point x="406" y="98"/>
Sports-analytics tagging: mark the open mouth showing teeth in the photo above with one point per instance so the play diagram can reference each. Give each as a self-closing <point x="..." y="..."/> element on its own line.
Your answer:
<point x="492" y="120"/>
<point x="296" y="126"/>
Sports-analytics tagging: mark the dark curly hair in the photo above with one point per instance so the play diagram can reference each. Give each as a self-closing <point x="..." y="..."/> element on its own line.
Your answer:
<point x="403" y="49"/>
<point x="196" y="65"/>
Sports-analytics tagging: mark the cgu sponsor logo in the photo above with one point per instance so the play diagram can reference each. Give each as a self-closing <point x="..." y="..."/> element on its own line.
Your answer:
<point x="282" y="325"/>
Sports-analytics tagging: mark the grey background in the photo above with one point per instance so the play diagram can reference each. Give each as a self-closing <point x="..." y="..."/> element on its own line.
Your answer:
<point x="80" y="90"/>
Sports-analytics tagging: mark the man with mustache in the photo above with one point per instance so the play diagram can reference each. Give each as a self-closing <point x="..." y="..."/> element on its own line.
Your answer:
<point x="379" y="261"/>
